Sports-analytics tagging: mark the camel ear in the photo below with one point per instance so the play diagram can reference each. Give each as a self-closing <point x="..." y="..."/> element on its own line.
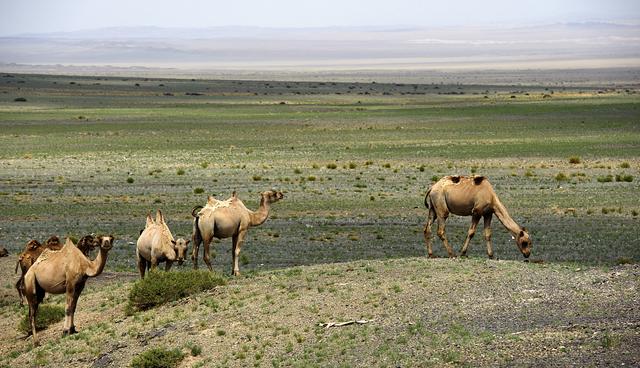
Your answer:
<point x="234" y="194"/>
<point x="187" y="242"/>
<point x="173" y="242"/>
<point x="111" y="239"/>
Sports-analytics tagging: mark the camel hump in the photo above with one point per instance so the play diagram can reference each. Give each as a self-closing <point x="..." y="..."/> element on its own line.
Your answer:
<point x="159" y="217"/>
<point x="195" y="210"/>
<point x="478" y="179"/>
<point x="455" y="178"/>
<point x="149" y="220"/>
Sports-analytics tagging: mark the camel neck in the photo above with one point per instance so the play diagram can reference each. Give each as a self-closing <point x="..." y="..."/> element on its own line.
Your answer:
<point x="260" y="216"/>
<point x="503" y="216"/>
<point x="97" y="265"/>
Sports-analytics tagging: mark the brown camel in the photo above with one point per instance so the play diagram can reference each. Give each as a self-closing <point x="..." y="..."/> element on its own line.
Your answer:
<point x="33" y="249"/>
<point x="475" y="197"/>
<point x="59" y="272"/>
<point x="228" y="219"/>
<point x="156" y="244"/>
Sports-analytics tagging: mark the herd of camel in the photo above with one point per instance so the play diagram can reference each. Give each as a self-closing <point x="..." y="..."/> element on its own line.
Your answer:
<point x="57" y="268"/>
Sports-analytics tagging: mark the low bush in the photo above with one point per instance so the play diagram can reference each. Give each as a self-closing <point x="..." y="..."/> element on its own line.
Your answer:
<point x="160" y="287"/>
<point x="158" y="358"/>
<point x="562" y="177"/>
<point x="47" y="315"/>
<point x="198" y="190"/>
<point x="605" y="179"/>
<point x="574" y="160"/>
<point x="332" y="166"/>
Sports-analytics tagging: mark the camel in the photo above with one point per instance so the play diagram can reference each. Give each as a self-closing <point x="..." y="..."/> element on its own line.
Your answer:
<point x="62" y="271"/>
<point x="228" y="219"/>
<point x="156" y="244"/>
<point x="470" y="196"/>
<point x="33" y="249"/>
<point x="4" y="252"/>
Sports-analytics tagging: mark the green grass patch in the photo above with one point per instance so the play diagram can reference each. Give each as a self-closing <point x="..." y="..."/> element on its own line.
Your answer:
<point x="47" y="315"/>
<point x="158" y="358"/>
<point x="160" y="287"/>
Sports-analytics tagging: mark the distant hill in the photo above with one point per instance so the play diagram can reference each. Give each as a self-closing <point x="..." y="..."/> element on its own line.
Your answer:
<point x="569" y="45"/>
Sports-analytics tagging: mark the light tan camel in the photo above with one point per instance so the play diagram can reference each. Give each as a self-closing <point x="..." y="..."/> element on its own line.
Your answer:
<point x="469" y="196"/>
<point x="156" y="244"/>
<point x="59" y="272"/>
<point x="228" y="219"/>
<point x="33" y="249"/>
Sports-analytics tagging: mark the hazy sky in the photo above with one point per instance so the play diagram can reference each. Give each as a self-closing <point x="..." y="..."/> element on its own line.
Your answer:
<point x="36" y="16"/>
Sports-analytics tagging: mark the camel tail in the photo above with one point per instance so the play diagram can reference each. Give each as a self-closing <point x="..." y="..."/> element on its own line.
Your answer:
<point x="426" y="198"/>
<point x="194" y="210"/>
<point x="196" y="237"/>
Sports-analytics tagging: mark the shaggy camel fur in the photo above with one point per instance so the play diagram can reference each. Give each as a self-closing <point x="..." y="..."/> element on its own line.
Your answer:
<point x="469" y="196"/>
<point x="156" y="244"/>
<point x="228" y="219"/>
<point x="33" y="249"/>
<point x="59" y="272"/>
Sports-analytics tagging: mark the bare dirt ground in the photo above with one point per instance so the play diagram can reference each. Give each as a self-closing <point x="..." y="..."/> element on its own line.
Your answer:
<point x="419" y="312"/>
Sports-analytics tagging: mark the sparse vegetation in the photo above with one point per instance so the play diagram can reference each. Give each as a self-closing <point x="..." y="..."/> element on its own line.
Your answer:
<point x="574" y="160"/>
<point x="163" y="287"/>
<point x="47" y="314"/>
<point x="158" y="358"/>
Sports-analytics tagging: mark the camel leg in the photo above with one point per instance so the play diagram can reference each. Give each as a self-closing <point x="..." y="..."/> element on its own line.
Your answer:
<point x="167" y="265"/>
<point x="443" y="236"/>
<point x="142" y="266"/>
<point x="487" y="234"/>
<point x="475" y="219"/>
<point x="20" y="288"/>
<point x="205" y="257"/>
<point x="427" y="232"/>
<point x="73" y="293"/>
<point x="237" y="244"/>
<point x="195" y="240"/>
<point x="32" y="301"/>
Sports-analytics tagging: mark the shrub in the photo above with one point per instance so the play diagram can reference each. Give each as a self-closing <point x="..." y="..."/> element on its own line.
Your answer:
<point x="625" y="165"/>
<point x="297" y="171"/>
<point x="623" y="177"/>
<point x="130" y="180"/>
<point x="435" y="178"/>
<point x="162" y="287"/>
<point x="198" y="190"/>
<point x="256" y="178"/>
<point x="204" y="164"/>
<point x="574" y="160"/>
<point x="47" y="315"/>
<point x="352" y="165"/>
<point x="605" y="179"/>
<point x="180" y="172"/>
<point x="20" y="99"/>
<point x="332" y="166"/>
<point x="158" y="358"/>
<point x="562" y="177"/>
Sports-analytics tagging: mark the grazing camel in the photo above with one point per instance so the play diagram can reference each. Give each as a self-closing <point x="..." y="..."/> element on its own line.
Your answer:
<point x="156" y="244"/>
<point x="228" y="219"/>
<point x="4" y="252"/>
<point x="62" y="271"/>
<point x="33" y="249"/>
<point x="475" y="197"/>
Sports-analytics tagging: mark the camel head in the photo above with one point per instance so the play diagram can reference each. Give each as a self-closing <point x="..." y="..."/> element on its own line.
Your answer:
<point x="33" y="244"/>
<point x="272" y="196"/>
<point x="52" y="241"/>
<point x="524" y="242"/>
<point x="105" y="242"/>
<point x="180" y="247"/>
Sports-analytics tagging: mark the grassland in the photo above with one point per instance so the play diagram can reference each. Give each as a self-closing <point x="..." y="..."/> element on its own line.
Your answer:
<point x="86" y="154"/>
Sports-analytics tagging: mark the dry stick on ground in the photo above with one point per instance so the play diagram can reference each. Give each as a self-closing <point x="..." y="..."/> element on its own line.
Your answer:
<point x="340" y="324"/>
